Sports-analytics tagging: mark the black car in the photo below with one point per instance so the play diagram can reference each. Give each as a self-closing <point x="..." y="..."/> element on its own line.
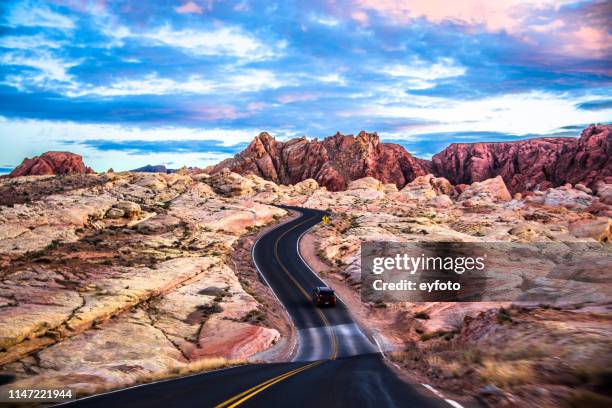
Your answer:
<point x="323" y="296"/>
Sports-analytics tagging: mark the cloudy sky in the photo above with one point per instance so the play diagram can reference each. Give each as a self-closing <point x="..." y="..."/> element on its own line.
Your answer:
<point x="126" y="83"/>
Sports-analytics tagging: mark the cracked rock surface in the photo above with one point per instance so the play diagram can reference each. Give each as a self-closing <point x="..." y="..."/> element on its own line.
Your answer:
<point x="122" y="278"/>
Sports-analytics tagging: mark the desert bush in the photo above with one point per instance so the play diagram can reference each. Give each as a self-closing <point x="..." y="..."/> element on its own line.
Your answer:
<point x="455" y="320"/>
<point x="507" y="373"/>
<point x="503" y="316"/>
<point x="447" y="368"/>
<point x="203" y="365"/>
<point x="421" y="315"/>
<point x="254" y="316"/>
<point x="433" y="335"/>
<point x="472" y="356"/>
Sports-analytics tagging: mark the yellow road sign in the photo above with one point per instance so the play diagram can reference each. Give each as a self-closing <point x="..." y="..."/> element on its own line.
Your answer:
<point x="325" y="219"/>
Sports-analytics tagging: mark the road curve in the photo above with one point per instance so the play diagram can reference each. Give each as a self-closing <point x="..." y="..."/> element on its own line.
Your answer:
<point x="324" y="333"/>
<point x="335" y="364"/>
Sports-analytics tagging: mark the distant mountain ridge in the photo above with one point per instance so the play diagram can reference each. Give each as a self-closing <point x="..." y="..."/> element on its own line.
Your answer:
<point x="527" y="164"/>
<point x="334" y="162"/>
<point x="337" y="160"/>
<point x="149" y="168"/>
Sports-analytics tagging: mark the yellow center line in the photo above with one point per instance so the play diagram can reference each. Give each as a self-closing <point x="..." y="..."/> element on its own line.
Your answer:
<point x="251" y="392"/>
<point x="334" y="353"/>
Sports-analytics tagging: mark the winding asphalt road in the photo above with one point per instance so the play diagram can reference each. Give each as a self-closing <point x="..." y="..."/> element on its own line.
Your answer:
<point x="334" y="365"/>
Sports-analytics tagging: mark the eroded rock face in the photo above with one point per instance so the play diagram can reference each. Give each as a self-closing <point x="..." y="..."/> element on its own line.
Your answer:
<point x="52" y="163"/>
<point x="230" y="184"/>
<point x="531" y="164"/>
<point x="333" y="162"/>
<point x="366" y="183"/>
<point x="526" y="165"/>
<point x="427" y="186"/>
<point x="125" y="278"/>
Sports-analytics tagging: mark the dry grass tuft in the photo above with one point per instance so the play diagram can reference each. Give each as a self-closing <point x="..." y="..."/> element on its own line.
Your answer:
<point x="507" y="373"/>
<point x="204" y="365"/>
<point x="179" y="369"/>
<point x="449" y="369"/>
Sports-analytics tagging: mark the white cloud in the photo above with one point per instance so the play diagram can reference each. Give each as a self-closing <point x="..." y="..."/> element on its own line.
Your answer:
<point x="25" y="42"/>
<point x="526" y="113"/>
<point x="225" y="41"/>
<point x="148" y="85"/>
<point x="239" y="82"/>
<point x="49" y="68"/>
<point x="422" y="75"/>
<point x="332" y="78"/>
<point x="30" y="14"/>
<point x="324" y="20"/>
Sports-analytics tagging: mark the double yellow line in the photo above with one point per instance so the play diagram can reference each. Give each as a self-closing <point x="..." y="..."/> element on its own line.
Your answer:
<point x="251" y="392"/>
<point x="334" y="353"/>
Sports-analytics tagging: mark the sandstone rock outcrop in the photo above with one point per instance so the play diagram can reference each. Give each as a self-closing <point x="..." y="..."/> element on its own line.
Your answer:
<point x="52" y="163"/>
<point x="333" y="162"/>
<point x="533" y="163"/>
<point x="564" y="196"/>
<point x="525" y="165"/>
<point x="230" y="184"/>
<point x="126" y="278"/>
<point x="489" y="190"/>
<point x="427" y="186"/>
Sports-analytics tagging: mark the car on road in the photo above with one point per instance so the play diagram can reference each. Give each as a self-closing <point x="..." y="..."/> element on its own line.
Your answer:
<point x="323" y="296"/>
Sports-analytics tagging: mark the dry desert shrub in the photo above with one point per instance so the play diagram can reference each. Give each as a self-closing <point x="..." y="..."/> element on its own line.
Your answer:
<point x="206" y="364"/>
<point x="449" y="369"/>
<point x="507" y="373"/>
<point x="178" y="368"/>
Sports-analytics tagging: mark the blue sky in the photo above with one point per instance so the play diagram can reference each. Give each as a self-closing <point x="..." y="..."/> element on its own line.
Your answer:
<point x="191" y="82"/>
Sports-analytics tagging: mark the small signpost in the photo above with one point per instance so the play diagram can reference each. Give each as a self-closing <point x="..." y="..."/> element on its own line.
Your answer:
<point x="325" y="219"/>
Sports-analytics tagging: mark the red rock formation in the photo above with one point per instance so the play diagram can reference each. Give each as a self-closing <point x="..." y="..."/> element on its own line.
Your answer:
<point x="51" y="163"/>
<point x="524" y="165"/>
<point x="333" y="162"/>
<point x="527" y="164"/>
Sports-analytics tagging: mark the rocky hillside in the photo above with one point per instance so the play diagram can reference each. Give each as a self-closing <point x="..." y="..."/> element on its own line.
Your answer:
<point x="52" y="163"/>
<point x="524" y="165"/>
<point x="333" y="162"/>
<point x="531" y="164"/>
<point x="126" y="277"/>
<point x="111" y="279"/>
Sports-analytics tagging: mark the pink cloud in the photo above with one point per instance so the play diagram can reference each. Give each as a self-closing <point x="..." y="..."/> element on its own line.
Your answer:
<point x="545" y="24"/>
<point x="505" y="15"/>
<point x="360" y="16"/>
<point x="296" y="97"/>
<point x="586" y="40"/>
<point x="211" y="113"/>
<point x="256" y="106"/>
<point x="189" y="8"/>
